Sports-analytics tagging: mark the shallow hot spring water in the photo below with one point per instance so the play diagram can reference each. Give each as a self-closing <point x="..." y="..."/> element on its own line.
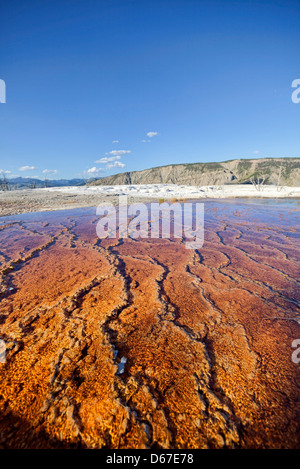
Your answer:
<point x="125" y="343"/>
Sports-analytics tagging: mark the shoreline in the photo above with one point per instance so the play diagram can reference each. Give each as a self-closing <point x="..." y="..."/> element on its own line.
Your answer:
<point x="69" y="197"/>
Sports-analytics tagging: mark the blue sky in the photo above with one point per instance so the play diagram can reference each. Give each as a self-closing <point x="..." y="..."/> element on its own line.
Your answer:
<point x="94" y="88"/>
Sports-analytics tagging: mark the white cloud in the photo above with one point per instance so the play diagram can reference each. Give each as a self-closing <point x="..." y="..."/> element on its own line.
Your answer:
<point x="255" y="152"/>
<point x="115" y="141"/>
<point x="2" y="171"/>
<point x="27" y="168"/>
<point x="49" y="171"/>
<point x="115" y="164"/>
<point x="108" y="159"/>
<point x="118" y="152"/>
<point x="94" y="170"/>
<point x="152" y="134"/>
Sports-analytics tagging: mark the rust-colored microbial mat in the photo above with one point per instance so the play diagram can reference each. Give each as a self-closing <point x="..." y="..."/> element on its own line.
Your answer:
<point x="123" y="343"/>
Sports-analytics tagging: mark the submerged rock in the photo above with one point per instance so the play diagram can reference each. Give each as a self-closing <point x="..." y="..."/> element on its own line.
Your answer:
<point x="121" y="366"/>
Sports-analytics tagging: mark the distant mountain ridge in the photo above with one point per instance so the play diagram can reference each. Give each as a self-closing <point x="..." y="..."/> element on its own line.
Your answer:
<point x="35" y="183"/>
<point x="276" y="171"/>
